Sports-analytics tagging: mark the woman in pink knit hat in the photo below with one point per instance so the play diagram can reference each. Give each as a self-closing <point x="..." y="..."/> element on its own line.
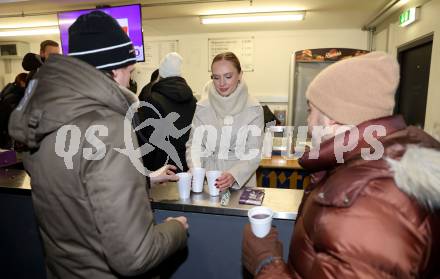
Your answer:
<point x="364" y="215"/>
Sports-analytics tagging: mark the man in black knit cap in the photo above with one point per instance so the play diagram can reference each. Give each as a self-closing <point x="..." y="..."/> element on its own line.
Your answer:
<point x="90" y="201"/>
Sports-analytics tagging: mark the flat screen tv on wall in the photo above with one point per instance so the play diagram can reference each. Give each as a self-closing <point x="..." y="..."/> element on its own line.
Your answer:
<point x="129" y="17"/>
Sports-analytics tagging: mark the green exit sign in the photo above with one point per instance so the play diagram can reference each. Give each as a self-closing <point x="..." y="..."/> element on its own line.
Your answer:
<point x="407" y="17"/>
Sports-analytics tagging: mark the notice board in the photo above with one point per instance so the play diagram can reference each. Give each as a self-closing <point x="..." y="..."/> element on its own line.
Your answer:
<point x="156" y="50"/>
<point x="242" y="47"/>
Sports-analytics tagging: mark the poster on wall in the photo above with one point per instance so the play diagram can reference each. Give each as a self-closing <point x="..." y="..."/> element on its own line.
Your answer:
<point x="155" y="50"/>
<point x="242" y="47"/>
<point x="327" y="54"/>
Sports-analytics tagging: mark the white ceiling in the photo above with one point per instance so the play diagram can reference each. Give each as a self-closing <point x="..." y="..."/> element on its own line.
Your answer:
<point x="167" y="17"/>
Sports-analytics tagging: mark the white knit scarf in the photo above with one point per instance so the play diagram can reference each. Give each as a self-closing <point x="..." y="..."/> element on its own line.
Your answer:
<point x="230" y="105"/>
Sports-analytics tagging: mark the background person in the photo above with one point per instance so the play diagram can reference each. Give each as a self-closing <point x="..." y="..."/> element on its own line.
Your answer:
<point x="228" y="97"/>
<point x="170" y="93"/>
<point x="9" y="99"/>
<point x="32" y="61"/>
<point x="132" y="86"/>
<point x="146" y="90"/>
<point x="362" y="218"/>
<point x="47" y="48"/>
<point x="95" y="217"/>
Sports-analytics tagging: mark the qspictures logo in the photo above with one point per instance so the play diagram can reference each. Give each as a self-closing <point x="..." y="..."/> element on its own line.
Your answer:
<point x="228" y="142"/>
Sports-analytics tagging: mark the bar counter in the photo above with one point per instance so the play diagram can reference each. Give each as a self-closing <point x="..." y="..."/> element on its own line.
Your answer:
<point x="284" y="202"/>
<point x="278" y="162"/>
<point x="214" y="235"/>
<point x="278" y="172"/>
<point x="14" y="180"/>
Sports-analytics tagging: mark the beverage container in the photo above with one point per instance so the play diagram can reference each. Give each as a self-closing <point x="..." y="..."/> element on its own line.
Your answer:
<point x="198" y="177"/>
<point x="184" y="185"/>
<point x="267" y="144"/>
<point x="260" y="218"/>
<point x="288" y="152"/>
<point x="211" y="176"/>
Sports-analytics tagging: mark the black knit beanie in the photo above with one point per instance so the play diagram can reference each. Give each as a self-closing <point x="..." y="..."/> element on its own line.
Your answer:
<point x="99" y="40"/>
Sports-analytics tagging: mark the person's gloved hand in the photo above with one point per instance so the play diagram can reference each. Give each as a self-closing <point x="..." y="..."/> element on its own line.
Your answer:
<point x="164" y="174"/>
<point x="255" y="250"/>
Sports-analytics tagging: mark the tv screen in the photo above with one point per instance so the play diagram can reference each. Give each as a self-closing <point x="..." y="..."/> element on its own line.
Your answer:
<point x="129" y="17"/>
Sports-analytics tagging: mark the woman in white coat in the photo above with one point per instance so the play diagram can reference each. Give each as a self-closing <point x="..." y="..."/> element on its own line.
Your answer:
<point x="227" y="127"/>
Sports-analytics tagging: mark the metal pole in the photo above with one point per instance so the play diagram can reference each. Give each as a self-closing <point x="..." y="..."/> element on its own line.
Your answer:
<point x="370" y="41"/>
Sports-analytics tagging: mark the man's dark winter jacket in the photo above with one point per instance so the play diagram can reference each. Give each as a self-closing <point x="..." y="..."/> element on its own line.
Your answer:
<point x="9" y="99"/>
<point x="168" y="95"/>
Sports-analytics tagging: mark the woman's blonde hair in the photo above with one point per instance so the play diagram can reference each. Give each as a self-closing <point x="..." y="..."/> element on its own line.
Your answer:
<point x="228" y="56"/>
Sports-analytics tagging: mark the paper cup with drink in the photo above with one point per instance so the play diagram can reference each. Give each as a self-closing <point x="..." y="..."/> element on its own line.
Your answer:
<point x="260" y="218"/>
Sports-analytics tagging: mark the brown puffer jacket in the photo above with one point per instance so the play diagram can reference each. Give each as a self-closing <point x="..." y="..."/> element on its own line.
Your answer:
<point x="370" y="218"/>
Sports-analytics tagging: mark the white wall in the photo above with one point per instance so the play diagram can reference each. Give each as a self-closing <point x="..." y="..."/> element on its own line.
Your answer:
<point x="2" y="75"/>
<point x="381" y="40"/>
<point x="10" y="68"/>
<point x="273" y="50"/>
<point x="392" y="36"/>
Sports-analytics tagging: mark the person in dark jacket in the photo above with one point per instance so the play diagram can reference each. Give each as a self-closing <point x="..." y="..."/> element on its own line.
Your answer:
<point x="9" y="99"/>
<point x="147" y="88"/>
<point x="269" y="116"/>
<point x="169" y="94"/>
<point x="32" y="61"/>
<point x="373" y="208"/>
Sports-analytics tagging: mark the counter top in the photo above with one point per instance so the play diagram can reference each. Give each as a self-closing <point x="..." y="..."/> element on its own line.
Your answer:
<point x="8" y="157"/>
<point x="284" y="202"/>
<point x="14" y="179"/>
<point x="278" y="162"/>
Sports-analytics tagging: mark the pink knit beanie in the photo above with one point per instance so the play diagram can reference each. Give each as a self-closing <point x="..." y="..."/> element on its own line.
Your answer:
<point x="357" y="89"/>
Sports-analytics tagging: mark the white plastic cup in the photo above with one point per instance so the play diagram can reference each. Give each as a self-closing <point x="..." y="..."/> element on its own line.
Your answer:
<point x="260" y="218"/>
<point x="267" y="144"/>
<point x="184" y="185"/>
<point x="198" y="177"/>
<point x="212" y="176"/>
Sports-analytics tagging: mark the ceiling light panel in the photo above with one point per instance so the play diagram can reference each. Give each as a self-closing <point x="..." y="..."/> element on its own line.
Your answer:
<point x="254" y="17"/>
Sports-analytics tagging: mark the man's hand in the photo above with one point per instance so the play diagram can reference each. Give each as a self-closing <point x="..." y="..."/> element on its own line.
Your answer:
<point x="181" y="219"/>
<point x="224" y="181"/>
<point x="164" y="174"/>
<point x="255" y="250"/>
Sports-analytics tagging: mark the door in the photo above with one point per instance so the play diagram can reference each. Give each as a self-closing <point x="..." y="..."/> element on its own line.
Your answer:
<point x="415" y="63"/>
